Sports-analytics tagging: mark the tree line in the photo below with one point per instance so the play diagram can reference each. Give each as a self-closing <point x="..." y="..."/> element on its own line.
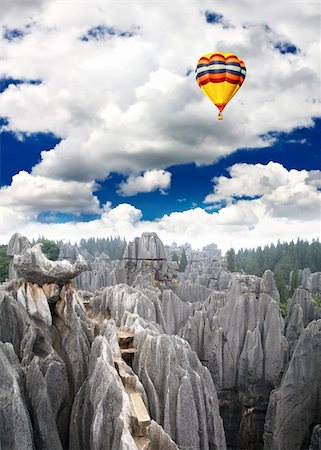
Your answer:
<point x="114" y="247"/>
<point x="281" y="258"/>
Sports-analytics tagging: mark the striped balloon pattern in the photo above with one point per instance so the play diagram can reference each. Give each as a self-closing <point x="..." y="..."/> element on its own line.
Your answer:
<point x="220" y="76"/>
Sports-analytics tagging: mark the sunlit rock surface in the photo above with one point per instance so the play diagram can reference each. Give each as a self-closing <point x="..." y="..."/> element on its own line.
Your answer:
<point x="148" y="246"/>
<point x="17" y="245"/>
<point x="295" y="406"/>
<point x="240" y="339"/>
<point x="211" y="356"/>
<point x="35" y="267"/>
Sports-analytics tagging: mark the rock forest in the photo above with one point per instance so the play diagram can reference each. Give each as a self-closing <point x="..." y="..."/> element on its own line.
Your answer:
<point x="134" y="354"/>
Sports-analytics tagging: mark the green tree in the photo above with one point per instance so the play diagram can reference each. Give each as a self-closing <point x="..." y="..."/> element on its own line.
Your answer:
<point x="230" y="255"/>
<point x="113" y="246"/>
<point x="50" y="248"/>
<point x="183" y="261"/>
<point x="4" y="263"/>
<point x="174" y="256"/>
<point x="294" y="281"/>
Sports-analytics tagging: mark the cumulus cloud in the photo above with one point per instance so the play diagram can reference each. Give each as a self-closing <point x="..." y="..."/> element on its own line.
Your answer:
<point x="233" y="226"/>
<point x="150" y="113"/>
<point x="290" y="194"/>
<point x="150" y="181"/>
<point x="31" y="195"/>
<point x="130" y="104"/>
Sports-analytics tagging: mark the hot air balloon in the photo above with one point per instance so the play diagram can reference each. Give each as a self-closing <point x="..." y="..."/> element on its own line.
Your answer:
<point x="220" y="76"/>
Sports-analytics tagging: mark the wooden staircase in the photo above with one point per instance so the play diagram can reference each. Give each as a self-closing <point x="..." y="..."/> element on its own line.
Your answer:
<point x="140" y="419"/>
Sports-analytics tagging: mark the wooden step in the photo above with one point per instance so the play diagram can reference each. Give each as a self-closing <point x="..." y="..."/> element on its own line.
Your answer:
<point x="142" y="443"/>
<point x="122" y="334"/>
<point x="128" y="351"/>
<point x="125" y="338"/>
<point x="139" y="409"/>
<point x="120" y="367"/>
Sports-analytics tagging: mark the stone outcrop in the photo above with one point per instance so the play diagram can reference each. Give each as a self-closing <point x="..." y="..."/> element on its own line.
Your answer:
<point x="114" y="301"/>
<point x="144" y="263"/>
<point x="207" y="271"/>
<point x="241" y="341"/>
<point x="15" y="424"/>
<point x="180" y="391"/>
<point x="100" y="414"/>
<point x="52" y="345"/>
<point x="302" y="309"/>
<point x="71" y="252"/>
<point x="272" y="289"/>
<point x="17" y="245"/>
<point x="99" y="272"/>
<point x="148" y="246"/>
<point x="175" y="311"/>
<point x="145" y="356"/>
<point x="294" y="408"/>
<point x="33" y="266"/>
<point x="313" y="283"/>
<point x="316" y="438"/>
<point x="307" y="280"/>
<point x="181" y="394"/>
<point x="192" y="292"/>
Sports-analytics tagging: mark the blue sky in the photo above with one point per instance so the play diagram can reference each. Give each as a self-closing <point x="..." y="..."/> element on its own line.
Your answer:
<point x="105" y="131"/>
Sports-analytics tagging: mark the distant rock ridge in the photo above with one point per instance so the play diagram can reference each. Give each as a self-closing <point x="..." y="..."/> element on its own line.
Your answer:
<point x="307" y="280"/>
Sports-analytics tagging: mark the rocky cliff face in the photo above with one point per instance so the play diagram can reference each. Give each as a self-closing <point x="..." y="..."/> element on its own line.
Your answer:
<point x="156" y="360"/>
<point x="17" y="245"/>
<point x="144" y="263"/>
<point x="295" y="407"/>
<point x="65" y="380"/>
<point x="240" y="339"/>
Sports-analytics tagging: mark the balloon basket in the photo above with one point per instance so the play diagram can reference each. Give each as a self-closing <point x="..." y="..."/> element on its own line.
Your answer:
<point x="220" y="116"/>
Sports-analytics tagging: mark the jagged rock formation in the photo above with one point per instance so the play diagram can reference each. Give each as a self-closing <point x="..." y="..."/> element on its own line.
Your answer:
<point x="100" y="275"/>
<point x="242" y="344"/>
<point x="316" y="438"/>
<point x="17" y="245"/>
<point x="33" y="266"/>
<point x="302" y="309"/>
<point x="307" y="280"/>
<point x="295" y="407"/>
<point x="175" y="379"/>
<point x="200" y="341"/>
<point x="100" y="414"/>
<point x="144" y="263"/>
<point x="71" y="252"/>
<point x="114" y="301"/>
<point x="100" y="269"/>
<point x="181" y="393"/>
<point x="175" y="311"/>
<point x="52" y="353"/>
<point x="272" y="289"/>
<point x="15" y="420"/>
<point x="207" y="271"/>
<point x="192" y="292"/>
<point x="148" y="246"/>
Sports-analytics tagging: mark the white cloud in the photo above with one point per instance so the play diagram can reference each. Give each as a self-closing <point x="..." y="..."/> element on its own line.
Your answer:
<point x="31" y="195"/>
<point x="290" y="194"/>
<point x="150" y="181"/>
<point x="235" y="225"/>
<point x="126" y="104"/>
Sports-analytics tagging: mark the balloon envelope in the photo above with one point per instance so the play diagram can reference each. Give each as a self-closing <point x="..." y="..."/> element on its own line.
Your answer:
<point x="220" y="76"/>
